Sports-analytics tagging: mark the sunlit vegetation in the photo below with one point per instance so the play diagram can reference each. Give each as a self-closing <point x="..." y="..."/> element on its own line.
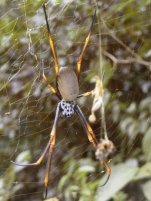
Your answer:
<point x="119" y="52"/>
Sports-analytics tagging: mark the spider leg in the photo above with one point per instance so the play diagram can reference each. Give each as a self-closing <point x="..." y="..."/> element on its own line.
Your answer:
<point x="78" y="68"/>
<point x="108" y="171"/>
<point x="51" y="149"/>
<point x="86" y="125"/>
<point x="38" y="161"/>
<point x="50" y="153"/>
<point x="92" y="139"/>
<point x="51" y="43"/>
<point x="52" y="89"/>
<point x="86" y="94"/>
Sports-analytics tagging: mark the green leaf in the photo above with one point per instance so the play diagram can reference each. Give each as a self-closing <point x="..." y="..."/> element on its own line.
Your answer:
<point x="52" y="199"/>
<point x="86" y="168"/>
<point x="144" y="172"/>
<point x="121" y="175"/>
<point x="63" y="181"/>
<point x="23" y="158"/>
<point x="8" y="26"/>
<point x="146" y="190"/>
<point x="146" y="144"/>
<point x="2" y="2"/>
<point x="58" y="1"/>
<point x="122" y="4"/>
<point x="145" y="103"/>
<point x="9" y="177"/>
<point x="108" y="72"/>
<point x="7" y="183"/>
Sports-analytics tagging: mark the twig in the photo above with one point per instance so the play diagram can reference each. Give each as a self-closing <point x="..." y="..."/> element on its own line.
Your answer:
<point x="127" y="61"/>
<point x="136" y="58"/>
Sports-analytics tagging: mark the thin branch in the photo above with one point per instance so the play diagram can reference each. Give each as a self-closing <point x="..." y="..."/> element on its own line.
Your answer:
<point x="136" y="58"/>
<point x="126" y="61"/>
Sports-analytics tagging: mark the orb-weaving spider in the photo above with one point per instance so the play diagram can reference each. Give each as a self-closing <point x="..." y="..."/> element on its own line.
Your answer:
<point x="67" y="90"/>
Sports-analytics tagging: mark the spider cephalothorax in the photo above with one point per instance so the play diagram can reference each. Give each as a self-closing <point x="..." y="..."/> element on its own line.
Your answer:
<point x="67" y="91"/>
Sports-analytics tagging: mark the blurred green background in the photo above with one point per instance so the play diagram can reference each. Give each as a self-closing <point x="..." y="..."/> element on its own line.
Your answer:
<point x="27" y="108"/>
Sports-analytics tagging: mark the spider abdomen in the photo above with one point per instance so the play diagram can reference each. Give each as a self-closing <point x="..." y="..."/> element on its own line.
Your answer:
<point x="68" y="84"/>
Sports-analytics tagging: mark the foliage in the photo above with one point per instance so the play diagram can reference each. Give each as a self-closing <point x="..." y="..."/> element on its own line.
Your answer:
<point x="78" y="181"/>
<point x="123" y="29"/>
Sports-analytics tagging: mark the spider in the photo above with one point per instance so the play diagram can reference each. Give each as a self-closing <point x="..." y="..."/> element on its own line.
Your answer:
<point x="67" y="90"/>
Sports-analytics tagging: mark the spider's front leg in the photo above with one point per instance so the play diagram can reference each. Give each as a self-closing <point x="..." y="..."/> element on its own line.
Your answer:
<point x="51" y="43"/>
<point x="79" y="62"/>
<point x="54" y="55"/>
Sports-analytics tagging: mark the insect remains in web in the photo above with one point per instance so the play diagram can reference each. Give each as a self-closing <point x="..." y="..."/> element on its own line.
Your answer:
<point x="67" y="91"/>
<point x="105" y="148"/>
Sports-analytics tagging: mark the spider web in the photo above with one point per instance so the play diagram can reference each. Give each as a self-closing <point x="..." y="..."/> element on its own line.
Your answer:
<point x="28" y="108"/>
